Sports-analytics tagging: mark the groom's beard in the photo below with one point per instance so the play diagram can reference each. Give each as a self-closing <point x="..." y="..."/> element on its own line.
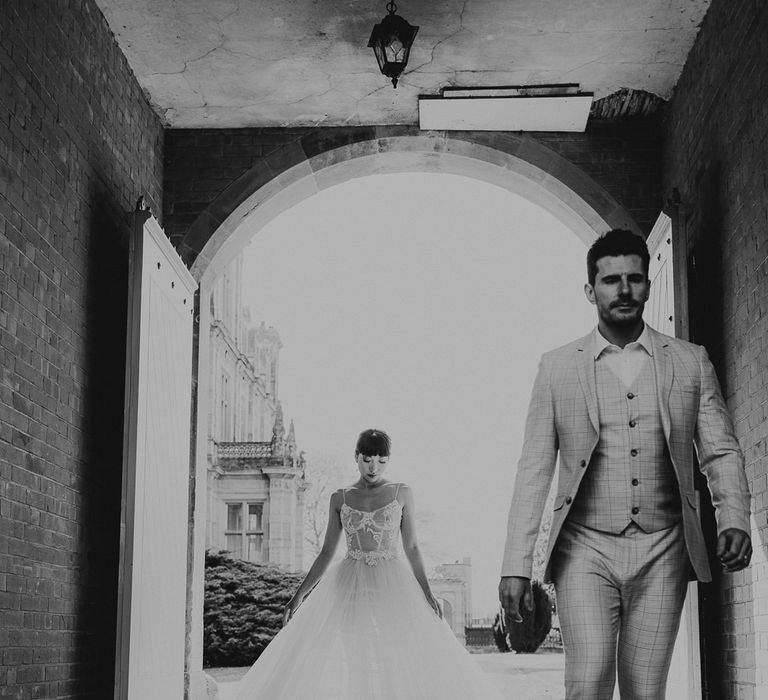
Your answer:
<point x="622" y="320"/>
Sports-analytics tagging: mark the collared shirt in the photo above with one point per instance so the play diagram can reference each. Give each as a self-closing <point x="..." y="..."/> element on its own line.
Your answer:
<point x="625" y="363"/>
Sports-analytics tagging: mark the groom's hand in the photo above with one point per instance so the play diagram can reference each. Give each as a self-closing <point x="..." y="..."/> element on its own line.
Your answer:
<point x="514" y="590"/>
<point x="734" y="549"/>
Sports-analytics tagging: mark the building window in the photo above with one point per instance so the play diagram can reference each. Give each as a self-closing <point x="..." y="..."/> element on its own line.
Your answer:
<point x="245" y="532"/>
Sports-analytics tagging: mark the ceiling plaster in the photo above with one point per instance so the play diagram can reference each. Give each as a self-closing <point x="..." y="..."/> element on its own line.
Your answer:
<point x="237" y="63"/>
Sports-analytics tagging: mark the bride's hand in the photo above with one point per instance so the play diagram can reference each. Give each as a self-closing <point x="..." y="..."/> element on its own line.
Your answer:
<point x="290" y="610"/>
<point x="434" y="604"/>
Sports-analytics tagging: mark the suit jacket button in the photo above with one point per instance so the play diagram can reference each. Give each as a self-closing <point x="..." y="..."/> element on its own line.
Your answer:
<point x="630" y="396"/>
<point x="568" y="500"/>
<point x="633" y="453"/>
<point x="632" y="423"/>
<point x="635" y="482"/>
<point x="583" y="462"/>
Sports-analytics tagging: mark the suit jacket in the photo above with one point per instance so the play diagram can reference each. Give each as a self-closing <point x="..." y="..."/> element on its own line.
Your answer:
<point x="563" y="418"/>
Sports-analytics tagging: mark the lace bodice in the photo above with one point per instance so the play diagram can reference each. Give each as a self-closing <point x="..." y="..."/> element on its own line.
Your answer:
<point x="372" y="535"/>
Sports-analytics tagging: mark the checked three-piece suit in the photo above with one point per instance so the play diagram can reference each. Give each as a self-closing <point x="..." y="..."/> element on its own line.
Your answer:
<point x="625" y="534"/>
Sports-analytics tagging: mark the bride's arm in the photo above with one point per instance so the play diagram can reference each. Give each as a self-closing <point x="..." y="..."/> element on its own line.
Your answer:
<point x="316" y="571"/>
<point x="411" y="547"/>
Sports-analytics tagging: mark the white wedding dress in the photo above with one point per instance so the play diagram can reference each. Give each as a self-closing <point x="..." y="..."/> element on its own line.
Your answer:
<point x="366" y="631"/>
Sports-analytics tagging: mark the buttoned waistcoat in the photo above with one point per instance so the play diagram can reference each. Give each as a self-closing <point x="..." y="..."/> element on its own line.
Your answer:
<point x="563" y="421"/>
<point x="630" y="476"/>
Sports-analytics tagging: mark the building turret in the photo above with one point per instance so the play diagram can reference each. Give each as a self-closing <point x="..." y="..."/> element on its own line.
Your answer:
<point x="291" y="441"/>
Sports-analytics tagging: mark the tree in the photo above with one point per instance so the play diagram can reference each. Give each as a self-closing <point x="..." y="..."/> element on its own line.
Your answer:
<point x="324" y="476"/>
<point x="540" y="548"/>
<point x="500" y="633"/>
<point x="526" y="636"/>
<point x="242" y="608"/>
<point x="540" y="552"/>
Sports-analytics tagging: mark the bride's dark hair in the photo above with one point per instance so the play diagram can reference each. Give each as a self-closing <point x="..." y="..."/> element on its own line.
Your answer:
<point x="373" y="442"/>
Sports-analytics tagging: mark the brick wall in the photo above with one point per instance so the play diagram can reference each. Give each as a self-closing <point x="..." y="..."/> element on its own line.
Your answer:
<point x="78" y="144"/>
<point x="716" y="155"/>
<point x="623" y="157"/>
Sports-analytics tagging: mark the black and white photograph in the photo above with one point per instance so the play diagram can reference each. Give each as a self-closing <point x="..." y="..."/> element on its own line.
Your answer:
<point x="363" y="350"/>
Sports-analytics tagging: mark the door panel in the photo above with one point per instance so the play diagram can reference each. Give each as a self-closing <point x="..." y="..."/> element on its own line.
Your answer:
<point x="154" y="514"/>
<point x="684" y="680"/>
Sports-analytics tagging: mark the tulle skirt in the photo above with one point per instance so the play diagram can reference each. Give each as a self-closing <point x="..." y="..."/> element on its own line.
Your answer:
<point x="366" y="633"/>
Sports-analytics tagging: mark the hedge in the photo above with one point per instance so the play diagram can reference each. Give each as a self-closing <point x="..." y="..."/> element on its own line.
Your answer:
<point x="526" y="636"/>
<point x="242" y="609"/>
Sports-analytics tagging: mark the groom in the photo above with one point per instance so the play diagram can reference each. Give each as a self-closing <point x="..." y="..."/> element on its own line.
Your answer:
<point x="624" y="407"/>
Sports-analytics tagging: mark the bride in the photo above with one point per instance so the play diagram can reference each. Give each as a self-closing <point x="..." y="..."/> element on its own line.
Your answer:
<point x="371" y="629"/>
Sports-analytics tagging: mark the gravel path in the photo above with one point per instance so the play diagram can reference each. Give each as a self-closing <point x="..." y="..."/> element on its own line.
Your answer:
<point x="518" y="676"/>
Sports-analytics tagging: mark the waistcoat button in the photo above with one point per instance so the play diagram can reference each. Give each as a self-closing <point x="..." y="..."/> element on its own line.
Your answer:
<point x="635" y="510"/>
<point x="583" y="462"/>
<point x="630" y="396"/>
<point x="568" y="500"/>
<point x="633" y="453"/>
<point x="635" y="482"/>
<point x="632" y="423"/>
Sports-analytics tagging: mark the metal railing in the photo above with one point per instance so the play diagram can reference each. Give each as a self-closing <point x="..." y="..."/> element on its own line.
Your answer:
<point x="243" y="450"/>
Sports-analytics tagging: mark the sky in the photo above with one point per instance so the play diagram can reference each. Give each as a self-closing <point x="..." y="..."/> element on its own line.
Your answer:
<point x="420" y="304"/>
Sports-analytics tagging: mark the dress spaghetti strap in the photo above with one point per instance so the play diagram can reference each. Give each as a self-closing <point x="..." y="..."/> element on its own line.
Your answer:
<point x="397" y="488"/>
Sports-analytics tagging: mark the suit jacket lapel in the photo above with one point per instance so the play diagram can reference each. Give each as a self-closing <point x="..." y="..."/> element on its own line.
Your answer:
<point x="664" y="370"/>
<point x="585" y="363"/>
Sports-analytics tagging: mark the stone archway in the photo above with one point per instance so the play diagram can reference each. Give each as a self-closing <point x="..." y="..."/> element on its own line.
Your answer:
<point x="514" y="162"/>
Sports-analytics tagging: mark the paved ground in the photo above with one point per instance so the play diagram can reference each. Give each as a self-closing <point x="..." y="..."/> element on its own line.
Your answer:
<point x="519" y="676"/>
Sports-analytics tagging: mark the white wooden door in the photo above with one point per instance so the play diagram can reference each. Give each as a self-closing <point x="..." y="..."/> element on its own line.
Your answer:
<point x="684" y="681"/>
<point x="154" y="514"/>
<point x="659" y="311"/>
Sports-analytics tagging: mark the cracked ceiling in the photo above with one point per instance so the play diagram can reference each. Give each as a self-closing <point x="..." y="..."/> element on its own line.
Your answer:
<point x="235" y="63"/>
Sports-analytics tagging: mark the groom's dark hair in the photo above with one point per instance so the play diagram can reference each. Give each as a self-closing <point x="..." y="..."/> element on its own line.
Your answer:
<point x="617" y="241"/>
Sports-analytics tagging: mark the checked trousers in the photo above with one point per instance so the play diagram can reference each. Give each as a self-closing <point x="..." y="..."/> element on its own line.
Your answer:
<point x="619" y="598"/>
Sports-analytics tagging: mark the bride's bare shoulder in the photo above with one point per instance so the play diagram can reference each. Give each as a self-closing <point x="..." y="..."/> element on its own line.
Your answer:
<point x="404" y="493"/>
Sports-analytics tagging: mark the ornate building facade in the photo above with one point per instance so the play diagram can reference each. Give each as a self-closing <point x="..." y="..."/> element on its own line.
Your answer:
<point x="452" y="585"/>
<point x="255" y="471"/>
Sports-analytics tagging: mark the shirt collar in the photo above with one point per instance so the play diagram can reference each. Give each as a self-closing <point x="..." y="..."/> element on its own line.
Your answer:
<point x="599" y="343"/>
